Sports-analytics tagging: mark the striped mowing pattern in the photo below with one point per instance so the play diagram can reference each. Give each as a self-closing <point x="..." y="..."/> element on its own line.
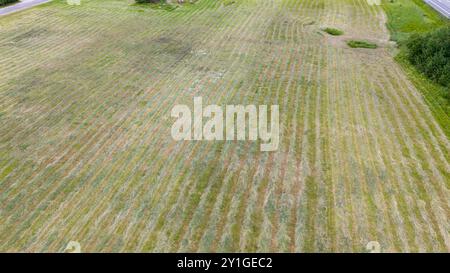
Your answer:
<point x="86" y="152"/>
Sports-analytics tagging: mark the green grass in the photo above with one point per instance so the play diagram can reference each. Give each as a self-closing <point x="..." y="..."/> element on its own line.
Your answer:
<point x="361" y="44"/>
<point x="409" y="16"/>
<point x="333" y="31"/>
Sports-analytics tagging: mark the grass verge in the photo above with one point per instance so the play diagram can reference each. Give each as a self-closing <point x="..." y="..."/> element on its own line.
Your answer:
<point x="406" y="17"/>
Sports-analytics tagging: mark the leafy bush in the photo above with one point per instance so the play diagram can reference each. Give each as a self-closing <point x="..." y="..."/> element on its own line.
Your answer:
<point x="5" y="2"/>
<point x="430" y="54"/>
<point x="333" y="31"/>
<point x="361" y="44"/>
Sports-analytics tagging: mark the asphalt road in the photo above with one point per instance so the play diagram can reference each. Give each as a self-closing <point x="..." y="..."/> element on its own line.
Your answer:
<point x="443" y="6"/>
<point x="24" y="4"/>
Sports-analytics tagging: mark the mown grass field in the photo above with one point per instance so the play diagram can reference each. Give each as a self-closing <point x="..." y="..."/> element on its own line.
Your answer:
<point x="86" y="152"/>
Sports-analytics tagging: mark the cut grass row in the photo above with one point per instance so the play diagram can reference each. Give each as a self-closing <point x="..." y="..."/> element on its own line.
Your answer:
<point x="361" y="44"/>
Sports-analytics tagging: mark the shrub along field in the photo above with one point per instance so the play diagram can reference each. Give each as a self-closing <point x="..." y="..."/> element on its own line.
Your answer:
<point x="430" y="53"/>
<point x="6" y="2"/>
<point x="87" y="155"/>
